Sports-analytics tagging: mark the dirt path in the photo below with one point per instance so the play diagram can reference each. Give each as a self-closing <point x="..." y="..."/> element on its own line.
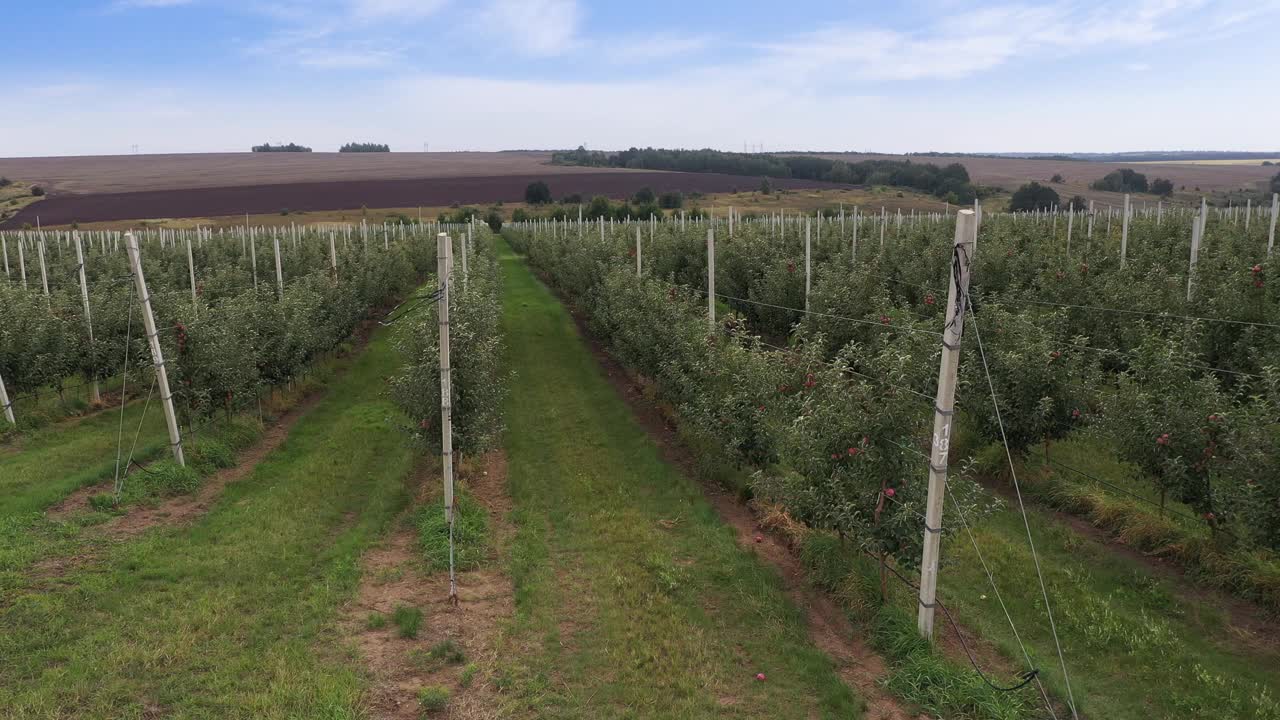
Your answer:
<point x="393" y="576"/>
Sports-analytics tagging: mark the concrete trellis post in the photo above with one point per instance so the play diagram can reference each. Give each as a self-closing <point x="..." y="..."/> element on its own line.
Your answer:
<point x="444" y="249"/>
<point x="466" y="250"/>
<point x="944" y="407"/>
<point x="191" y="274"/>
<point x="854" y="247"/>
<point x="1071" y="221"/>
<point x="639" y="249"/>
<point x="1089" y="234"/>
<point x="808" y="265"/>
<point x="157" y="356"/>
<point x="1275" y="210"/>
<point x="6" y="404"/>
<point x="275" y="241"/>
<point x="4" y="250"/>
<point x="44" y="274"/>
<point x="253" y="257"/>
<point x="333" y="256"/>
<point x="94" y="395"/>
<point x="1195" y="256"/>
<point x="711" y="279"/>
<point x="1124" y="231"/>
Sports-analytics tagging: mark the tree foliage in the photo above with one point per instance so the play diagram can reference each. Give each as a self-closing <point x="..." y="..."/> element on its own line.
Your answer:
<point x="364" y="148"/>
<point x="951" y="180"/>
<point x="1123" y="180"/>
<point x="1033" y="196"/>
<point x="537" y="193"/>
<point x="291" y="147"/>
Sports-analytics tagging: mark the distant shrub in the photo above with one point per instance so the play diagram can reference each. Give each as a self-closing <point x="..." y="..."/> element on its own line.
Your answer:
<point x="37" y="191"/>
<point x="1057" y="178"/>
<point x="574" y="199"/>
<point x="6" y="182"/>
<point x="1265" y="163"/>
<point x="494" y="221"/>
<point x="291" y="147"/>
<point x="765" y="186"/>
<point x="671" y="200"/>
<point x="1123" y="180"/>
<point x="644" y="196"/>
<point x="519" y="215"/>
<point x="1275" y="183"/>
<point x="1079" y="202"/>
<point x="1162" y="187"/>
<point x="364" y="148"/>
<point x="537" y="193"/>
<point x="1033" y="196"/>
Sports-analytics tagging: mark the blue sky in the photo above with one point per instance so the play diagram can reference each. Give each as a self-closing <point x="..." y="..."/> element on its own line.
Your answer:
<point x="99" y="76"/>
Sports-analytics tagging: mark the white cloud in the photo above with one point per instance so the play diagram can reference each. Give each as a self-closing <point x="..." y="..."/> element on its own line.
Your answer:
<point x="962" y="45"/>
<point x="536" y="27"/>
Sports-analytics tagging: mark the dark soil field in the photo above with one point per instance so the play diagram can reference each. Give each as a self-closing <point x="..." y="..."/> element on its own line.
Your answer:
<point x="133" y="173"/>
<point x="63" y="208"/>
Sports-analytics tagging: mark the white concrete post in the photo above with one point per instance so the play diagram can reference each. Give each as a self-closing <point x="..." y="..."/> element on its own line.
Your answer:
<point x="1124" y="231"/>
<point x="444" y="249"/>
<point x="157" y="356"/>
<point x="711" y="279"/>
<point x="944" y="407"/>
<point x="94" y="395"/>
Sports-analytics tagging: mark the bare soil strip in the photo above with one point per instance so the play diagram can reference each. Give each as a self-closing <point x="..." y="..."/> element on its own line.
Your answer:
<point x="394" y="576"/>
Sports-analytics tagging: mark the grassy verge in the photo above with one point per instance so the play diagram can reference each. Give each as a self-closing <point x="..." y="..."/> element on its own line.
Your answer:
<point x="632" y="598"/>
<point x="1136" y="645"/>
<point x="234" y="615"/>
<point x="1129" y="512"/>
<point x="55" y="460"/>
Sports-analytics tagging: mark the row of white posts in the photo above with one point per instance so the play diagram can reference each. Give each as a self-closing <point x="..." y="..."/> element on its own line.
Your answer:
<point x="444" y="270"/>
<point x="132" y="247"/>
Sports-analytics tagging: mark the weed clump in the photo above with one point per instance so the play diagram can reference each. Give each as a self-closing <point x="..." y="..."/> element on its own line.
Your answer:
<point x="407" y="620"/>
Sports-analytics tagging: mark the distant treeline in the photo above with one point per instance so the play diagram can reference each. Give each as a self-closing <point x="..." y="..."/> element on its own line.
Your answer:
<point x="291" y="147"/>
<point x="364" y="147"/>
<point x="951" y="182"/>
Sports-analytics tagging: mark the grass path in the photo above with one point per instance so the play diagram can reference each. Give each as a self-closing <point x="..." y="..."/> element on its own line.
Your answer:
<point x="632" y="598"/>
<point x="55" y="460"/>
<point x="234" y="616"/>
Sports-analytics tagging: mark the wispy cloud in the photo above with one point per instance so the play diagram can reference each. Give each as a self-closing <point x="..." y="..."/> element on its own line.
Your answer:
<point x="536" y="27"/>
<point x="343" y="35"/>
<point x="962" y="45"/>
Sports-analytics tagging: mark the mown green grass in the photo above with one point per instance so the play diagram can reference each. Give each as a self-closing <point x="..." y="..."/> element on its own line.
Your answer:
<point x="632" y="598"/>
<point x="233" y="616"/>
<point x="1134" y="647"/>
<point x="55" y="460"/>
